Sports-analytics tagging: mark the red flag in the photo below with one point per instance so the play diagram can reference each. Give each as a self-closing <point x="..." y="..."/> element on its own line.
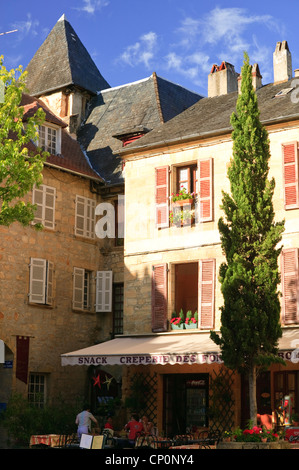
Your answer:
<point x="22" y="358"/>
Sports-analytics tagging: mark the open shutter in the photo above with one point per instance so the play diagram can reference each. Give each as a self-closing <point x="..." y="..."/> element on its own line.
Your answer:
<point x="290" y="174"/>
<point x="162" y="197"/>
<point x="49" y="283"/>
<point x="104" y="291"/>
<point x="159" y="298"/>
<point x="37" y="280"/>
<point x="78" y="288"/>
<point x="80" y="206"/>
<point x="290" y="286"/>
<point x="206" y="293"/>
<point x="205" y="190"/>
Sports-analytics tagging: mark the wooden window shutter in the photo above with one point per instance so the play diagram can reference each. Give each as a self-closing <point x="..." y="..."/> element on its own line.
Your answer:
<point x="205" y="190"/>
<point x="44" y="198"/>
<point x="78" y="288"/>
<point x="104" y="291"/>
<point x="159" y="298"/>
<point x="49" y="283"/>
<point x="162" y="197"/>
<point x="80" y="206"/>
<point x="290" y="175"/>
<point x="206" y="293"/>
<point x="290" y="286"/>
<point x="37" y="280"/>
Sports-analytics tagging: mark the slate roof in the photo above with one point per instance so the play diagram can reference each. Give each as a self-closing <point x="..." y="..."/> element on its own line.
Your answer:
<point x="72" y="158"/>
<point x="211" y="116"/>
<point x="61" y="61"/>
<point x="144" y="104"/>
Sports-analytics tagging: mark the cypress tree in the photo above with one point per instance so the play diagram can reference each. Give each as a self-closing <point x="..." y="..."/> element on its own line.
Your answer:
<point x="250" y="315"/>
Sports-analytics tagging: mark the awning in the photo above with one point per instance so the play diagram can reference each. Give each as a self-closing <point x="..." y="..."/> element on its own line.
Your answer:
<point x="167" y="348"/>
<point x="159" y="349"/>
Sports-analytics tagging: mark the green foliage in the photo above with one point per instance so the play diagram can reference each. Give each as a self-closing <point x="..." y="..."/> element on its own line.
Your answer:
<point x="19" y="170"/>
<point x="23" y="420"/>
<point x="250" y="315"/>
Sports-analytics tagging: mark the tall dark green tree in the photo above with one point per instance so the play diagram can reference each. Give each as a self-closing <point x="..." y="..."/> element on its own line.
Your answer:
<point x="250" y="315"/>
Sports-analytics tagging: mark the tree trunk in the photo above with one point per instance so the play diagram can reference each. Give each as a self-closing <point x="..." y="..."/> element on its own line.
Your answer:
<point x="252" y="395"/>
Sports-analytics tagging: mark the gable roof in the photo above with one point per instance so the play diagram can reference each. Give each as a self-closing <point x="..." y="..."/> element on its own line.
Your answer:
<point x="137" y="107"/>
<point x="211" y="116"/>
<point x="72" y="158"/>
<point x="61" y="61"/>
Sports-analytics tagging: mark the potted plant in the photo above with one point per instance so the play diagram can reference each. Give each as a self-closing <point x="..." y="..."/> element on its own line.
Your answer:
<point x="177" y="322"/>
<point x="191" y="321"/>
<point x="182" y="197"/>
<point x="227" y="436"/>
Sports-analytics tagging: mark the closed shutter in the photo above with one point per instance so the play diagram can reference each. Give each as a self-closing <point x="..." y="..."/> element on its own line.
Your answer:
<point x="162" y="197"/>
<point x="205" y="190"/>
<point x="206" y="293"/>
<point x="159" y="298"/>
<point x="104" y="291"/>
<point x="37" y="280"/>
<point x="290" y="286"/>
<point x="78" y="288"/>
<point x="44" y="198"/>
<point x="41" y="281"/>
<point x="85" y="217"/>
<point x="290" y="174"/>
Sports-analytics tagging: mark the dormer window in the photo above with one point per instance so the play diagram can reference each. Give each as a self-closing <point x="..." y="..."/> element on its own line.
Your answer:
<point x="50" y="139"/>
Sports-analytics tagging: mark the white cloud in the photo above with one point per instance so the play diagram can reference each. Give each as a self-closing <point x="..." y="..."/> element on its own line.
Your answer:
<point x="90" y="6"/>
<point x="26" y="27"/>
<point x="142" y="52"/>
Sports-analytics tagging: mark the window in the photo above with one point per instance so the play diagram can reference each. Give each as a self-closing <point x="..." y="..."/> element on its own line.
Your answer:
<point x="104" y="291"/>
<point x="41" y="281"/>
<point x="193" y="288"/>
<point x="37" y="390"/>
<point x="50" y="139"/>
<point x="118" y="307"/>
<point x="290" y="175"/>
<point x="82" y="289"/>
<point x="44" y="198"/>
<point x="197" y="178"/>
<point x="85" y="217"/>
<point x="290" y="286"/>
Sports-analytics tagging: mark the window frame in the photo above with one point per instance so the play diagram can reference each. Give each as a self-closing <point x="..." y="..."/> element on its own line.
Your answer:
<point x="47" y="128"/>
<point x="37" y="393"/>
<point x="82" y="284"/>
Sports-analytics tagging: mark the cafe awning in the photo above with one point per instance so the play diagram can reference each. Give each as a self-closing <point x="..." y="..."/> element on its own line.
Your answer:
<point x="162" y="349"/>
<point x="167" y="348"/>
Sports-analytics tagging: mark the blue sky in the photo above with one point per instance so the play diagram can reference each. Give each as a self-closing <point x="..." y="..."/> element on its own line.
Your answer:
<point x="179" y="40"/>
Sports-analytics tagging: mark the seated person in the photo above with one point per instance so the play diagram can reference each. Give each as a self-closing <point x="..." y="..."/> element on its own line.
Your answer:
<point x="147" y="425"/>
<point x="134" y="426"/>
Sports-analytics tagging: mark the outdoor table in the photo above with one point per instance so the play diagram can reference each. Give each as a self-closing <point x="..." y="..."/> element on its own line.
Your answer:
<point x="51" y="440"/>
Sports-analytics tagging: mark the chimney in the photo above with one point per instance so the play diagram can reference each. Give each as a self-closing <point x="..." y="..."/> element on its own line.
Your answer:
<point x="282" y="62"/>
<point x="256" y="78"/>
<point x="222" y="80"/>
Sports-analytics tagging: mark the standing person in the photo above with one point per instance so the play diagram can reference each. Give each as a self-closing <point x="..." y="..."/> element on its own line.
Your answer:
<point x="134" y="426"/>
<point x="83" y="421"/>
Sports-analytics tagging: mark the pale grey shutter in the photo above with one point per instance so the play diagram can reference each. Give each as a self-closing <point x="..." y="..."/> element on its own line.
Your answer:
<point x="78" y="288"/>
<point x="104" y="291"/>
<point x="37" y="280"/>
<point x="44" y="198"/>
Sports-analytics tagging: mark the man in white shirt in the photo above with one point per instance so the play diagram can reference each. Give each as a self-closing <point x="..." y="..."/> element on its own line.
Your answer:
<point x="83" y="421"/>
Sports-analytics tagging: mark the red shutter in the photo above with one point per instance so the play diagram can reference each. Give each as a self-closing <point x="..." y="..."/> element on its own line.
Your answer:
<point x="290" y="287"/>
<point x="162" y="196"/>
<point x="290" y="174"/>
<point x="159" y="298"/>
<point x="206" y="293"/>
<point x="205" y="190"/>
